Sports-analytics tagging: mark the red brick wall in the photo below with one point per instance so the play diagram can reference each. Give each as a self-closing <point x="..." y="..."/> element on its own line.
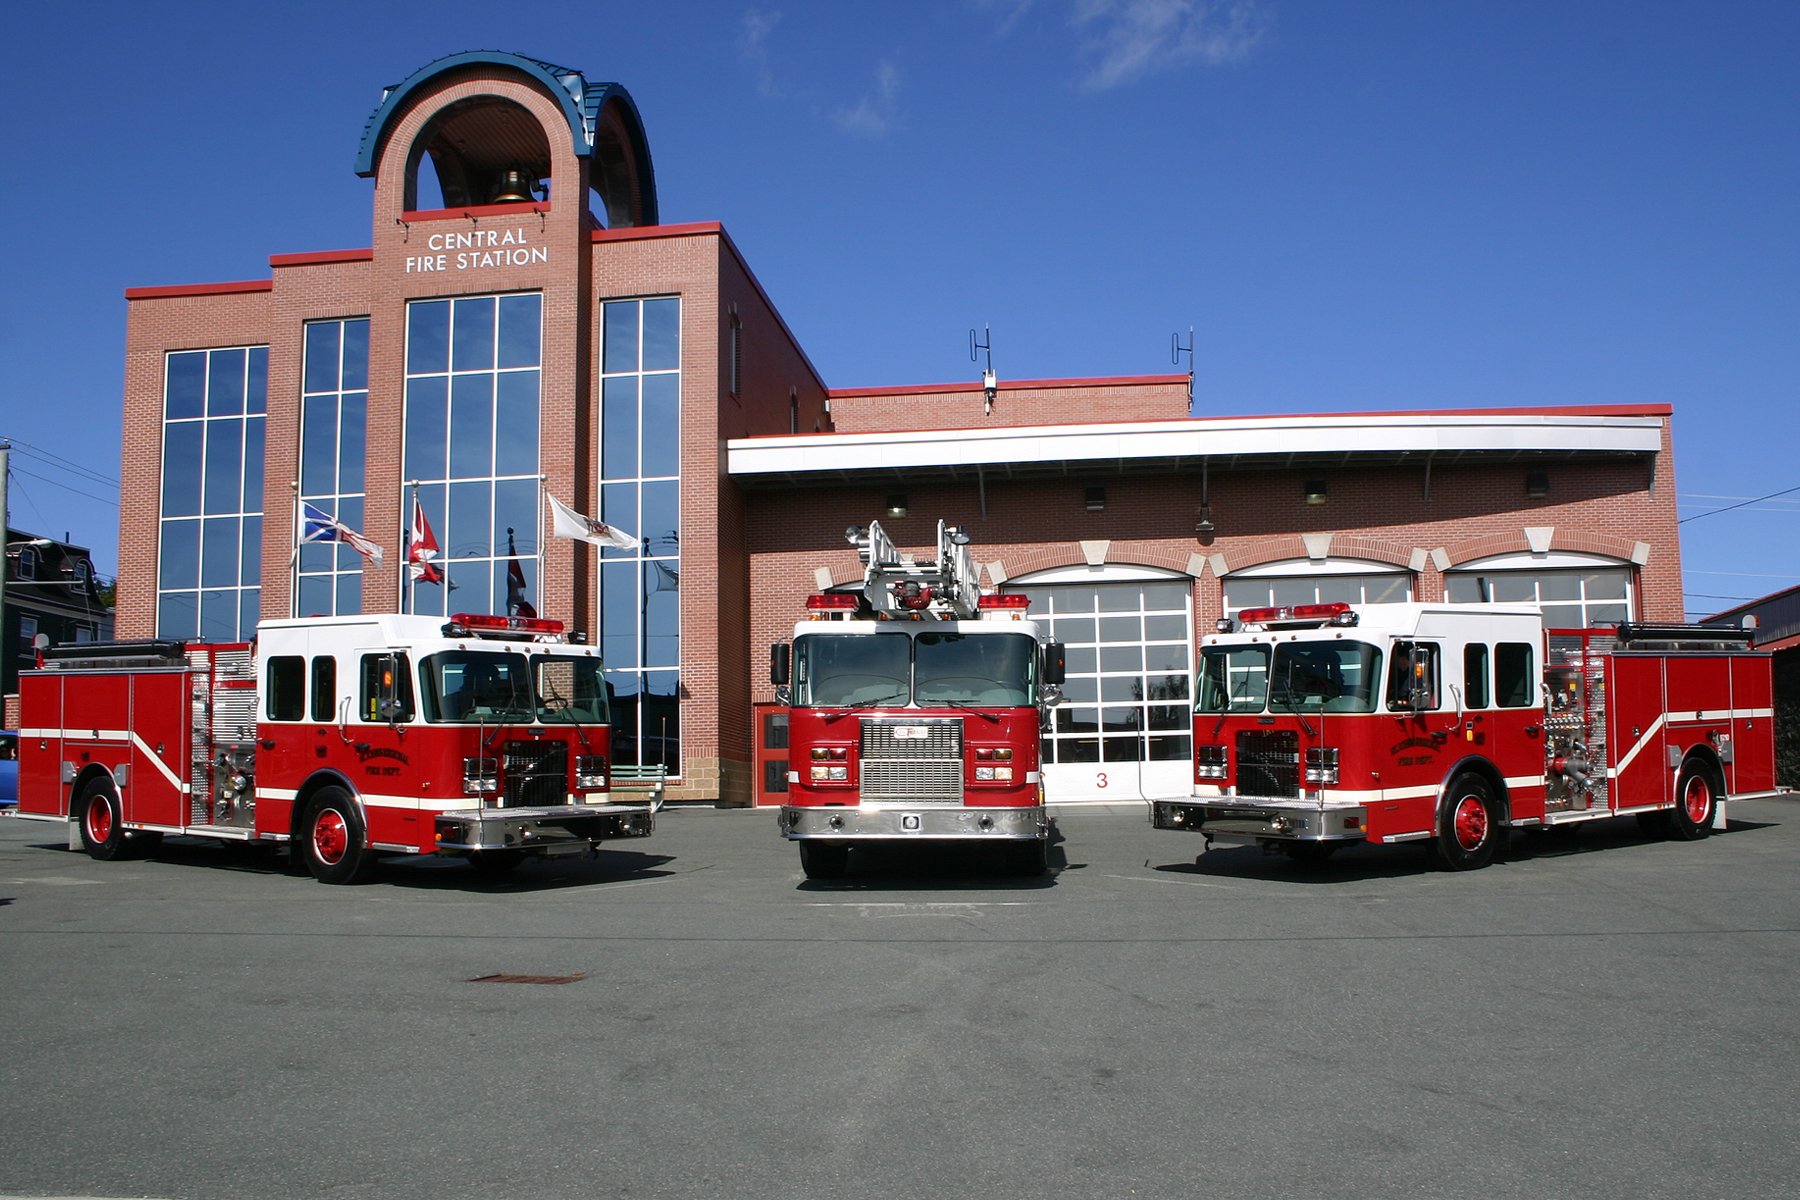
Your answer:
<point x="1028" y="402"/>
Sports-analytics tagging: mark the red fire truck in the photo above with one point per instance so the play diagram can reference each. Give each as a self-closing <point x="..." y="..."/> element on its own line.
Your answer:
<point x="345" y="737"/>
<point x="1319" y="726"/>
<point x="915" y="711"/>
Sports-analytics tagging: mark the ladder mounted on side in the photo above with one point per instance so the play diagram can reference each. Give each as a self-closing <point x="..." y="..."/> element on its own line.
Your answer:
<point x="897" y="586"/>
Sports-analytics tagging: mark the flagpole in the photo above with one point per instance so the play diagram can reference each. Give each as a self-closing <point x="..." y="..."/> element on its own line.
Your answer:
<point x="409" y="584"/>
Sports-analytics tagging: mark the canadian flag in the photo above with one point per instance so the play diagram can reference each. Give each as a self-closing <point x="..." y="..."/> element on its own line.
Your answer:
<point x="421" y="554"/>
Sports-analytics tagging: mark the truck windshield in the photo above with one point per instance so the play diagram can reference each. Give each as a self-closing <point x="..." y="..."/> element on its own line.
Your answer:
<point x="1333" y="676"/>
<point x="978" y="671"/>
<point x="930" y="669"/>
<point x="476" y="687"/>
<point x="569" y="689"/>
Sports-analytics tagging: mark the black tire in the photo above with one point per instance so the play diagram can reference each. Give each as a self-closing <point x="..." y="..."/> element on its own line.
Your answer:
<point x="333" y="841"/>
<point x="101" y="819"/>
<point x="1028" y="860"/>
<point x="494" y="863"/>
<point x="1468" y="825"/>
<point x="1696" y="801"/>
<point x="824" y="860"/>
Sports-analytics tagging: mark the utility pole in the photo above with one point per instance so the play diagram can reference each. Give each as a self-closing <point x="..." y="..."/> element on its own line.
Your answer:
<point x="7" y="654"/>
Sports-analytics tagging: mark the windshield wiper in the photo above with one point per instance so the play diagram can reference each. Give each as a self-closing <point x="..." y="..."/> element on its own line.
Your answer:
<point x="968" y="708"/>
<point x="879" y="700"/>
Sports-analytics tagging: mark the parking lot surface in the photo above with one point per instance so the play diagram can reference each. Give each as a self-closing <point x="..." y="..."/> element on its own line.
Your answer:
<point x="1600" y="1014"/>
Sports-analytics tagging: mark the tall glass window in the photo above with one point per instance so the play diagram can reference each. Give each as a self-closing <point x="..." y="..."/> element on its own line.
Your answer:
<point x="640" y="491"/>
<point x="471" y="446"/>
<point x="334" y="411"/>
<point x="209" y="557"/>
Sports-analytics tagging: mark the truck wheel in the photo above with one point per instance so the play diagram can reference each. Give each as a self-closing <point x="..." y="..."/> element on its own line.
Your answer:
<point x="821" y="860"/>
<point x="102" y="822"/>
<point x="1468" y="825"/>
<point x="1696" y="800"/>
<point x="1028" y="860"/>
<point x="493" y="863"/>
<point x="332" y="839"/>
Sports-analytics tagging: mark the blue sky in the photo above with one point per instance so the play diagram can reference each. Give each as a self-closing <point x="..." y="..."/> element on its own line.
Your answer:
<point x="1356" y="206"/>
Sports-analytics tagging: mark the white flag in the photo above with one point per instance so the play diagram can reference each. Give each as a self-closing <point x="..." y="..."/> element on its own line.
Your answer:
<point x="566" y="522"/>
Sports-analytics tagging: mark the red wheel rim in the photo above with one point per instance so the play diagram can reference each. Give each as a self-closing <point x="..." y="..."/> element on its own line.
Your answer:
<point x="99" y="820"/>
<point x="1697" y="798"/>
<point x="1470" y="822"/>
<point x="330" y="837"/>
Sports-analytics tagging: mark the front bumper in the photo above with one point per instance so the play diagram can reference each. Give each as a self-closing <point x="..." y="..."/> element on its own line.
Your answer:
<point x="542" y="828"/>
<point x="881" y="822"/>
<point x="1258" y="819"/>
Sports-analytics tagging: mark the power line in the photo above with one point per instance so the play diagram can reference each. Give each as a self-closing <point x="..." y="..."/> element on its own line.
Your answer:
<point x="1740" y="504"/>
<point x="66" y="464"/>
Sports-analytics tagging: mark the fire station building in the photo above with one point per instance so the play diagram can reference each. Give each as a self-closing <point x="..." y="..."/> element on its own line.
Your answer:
<point x="521" y="327"/>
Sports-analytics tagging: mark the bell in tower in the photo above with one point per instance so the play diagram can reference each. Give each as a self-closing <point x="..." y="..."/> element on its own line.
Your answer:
<point x="514" y="187"/>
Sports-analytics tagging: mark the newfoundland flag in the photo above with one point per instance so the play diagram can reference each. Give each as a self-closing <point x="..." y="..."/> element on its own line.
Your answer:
<point x="516" y="604"/>
<point x="317" y="526"/>
<point x="422" y="548"/>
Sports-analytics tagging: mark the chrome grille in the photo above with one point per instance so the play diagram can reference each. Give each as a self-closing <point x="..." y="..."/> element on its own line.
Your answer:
<point x="1268" y="763"/>
<point x="536" y="774"/>
<point x="912" y="762"/>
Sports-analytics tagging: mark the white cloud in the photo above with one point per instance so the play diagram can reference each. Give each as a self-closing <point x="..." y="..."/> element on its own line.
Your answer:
<point x="1132" y="39"/>
<point x="758" y="25"/>
<point x="876" y="112"/>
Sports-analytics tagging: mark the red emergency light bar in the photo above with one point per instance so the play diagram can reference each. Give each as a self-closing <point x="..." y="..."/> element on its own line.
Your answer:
<point x="1011" y="600"/>
<point x="1336" y="612"/>
<point x="831" y="602"/>
<point x="480" y="624"/>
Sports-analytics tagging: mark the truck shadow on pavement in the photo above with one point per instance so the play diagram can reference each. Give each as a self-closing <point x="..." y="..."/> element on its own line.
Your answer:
<point x="1361" y="862"/>
<point x="927" y="867"/>
<point x="417" y="871"/>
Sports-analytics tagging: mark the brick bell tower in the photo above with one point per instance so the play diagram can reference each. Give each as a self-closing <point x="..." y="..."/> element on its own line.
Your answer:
<point x="492" y="171"/>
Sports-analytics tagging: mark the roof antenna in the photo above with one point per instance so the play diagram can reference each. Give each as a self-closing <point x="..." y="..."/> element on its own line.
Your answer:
<point x="1176" y="350"/>
<point x="989" y="385"/>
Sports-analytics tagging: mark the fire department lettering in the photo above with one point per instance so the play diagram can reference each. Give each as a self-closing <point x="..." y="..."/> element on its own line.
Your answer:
<point x="473" y="249"/>
<point x="364" y="752"/>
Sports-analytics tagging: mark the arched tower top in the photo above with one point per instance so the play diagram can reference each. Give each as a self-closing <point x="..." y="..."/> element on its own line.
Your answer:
<point x="603" y="124"/>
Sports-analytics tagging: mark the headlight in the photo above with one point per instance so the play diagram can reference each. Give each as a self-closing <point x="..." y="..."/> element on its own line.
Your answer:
<point x="481" y="775"/>
<point x="590" y="773"/>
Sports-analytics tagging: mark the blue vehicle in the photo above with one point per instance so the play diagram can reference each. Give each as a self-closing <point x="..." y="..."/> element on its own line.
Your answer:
<point x="9" y="768"/>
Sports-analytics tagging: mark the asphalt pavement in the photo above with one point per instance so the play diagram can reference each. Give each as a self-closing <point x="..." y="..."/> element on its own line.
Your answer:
<point x="1600" y="1014"/>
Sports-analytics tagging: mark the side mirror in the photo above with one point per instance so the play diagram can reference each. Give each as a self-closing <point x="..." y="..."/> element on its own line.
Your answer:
<point x="780" y="659"/>
<point x="1055" y="663"/>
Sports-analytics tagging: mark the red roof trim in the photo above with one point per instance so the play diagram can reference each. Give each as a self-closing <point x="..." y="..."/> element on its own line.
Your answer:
<point x="175" y="291"/>
<point x="320" y="258"/>
<point x="1006" y="385"/>
<point x="637" y="233"/>
<point x="477" y="210"/>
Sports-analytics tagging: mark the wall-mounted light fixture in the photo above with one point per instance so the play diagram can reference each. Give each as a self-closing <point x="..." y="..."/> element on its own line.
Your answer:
<point x="1204" y="525"/>
<point x="1315" y="491"/>
<point x="1096" y="499"/>
<point x="1537" y="484"/>
<point x="896" y="504"/>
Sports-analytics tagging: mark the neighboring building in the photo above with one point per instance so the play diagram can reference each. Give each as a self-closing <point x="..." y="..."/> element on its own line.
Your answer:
<point x="542" y="335"/>
<point x="1776" y="619"/>
<point x="50" y="590"/>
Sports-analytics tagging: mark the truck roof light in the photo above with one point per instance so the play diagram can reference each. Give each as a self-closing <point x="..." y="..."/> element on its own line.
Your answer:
<point x="1007" y="600"/>
<point x="485" y="625"/>
<point x="831" y="601"/>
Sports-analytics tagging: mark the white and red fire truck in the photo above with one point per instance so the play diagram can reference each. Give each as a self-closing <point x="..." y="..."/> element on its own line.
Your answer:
<point x="1319" y="726"/>
<point x="915" y="711"/>
<point x="347" y="738"/>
